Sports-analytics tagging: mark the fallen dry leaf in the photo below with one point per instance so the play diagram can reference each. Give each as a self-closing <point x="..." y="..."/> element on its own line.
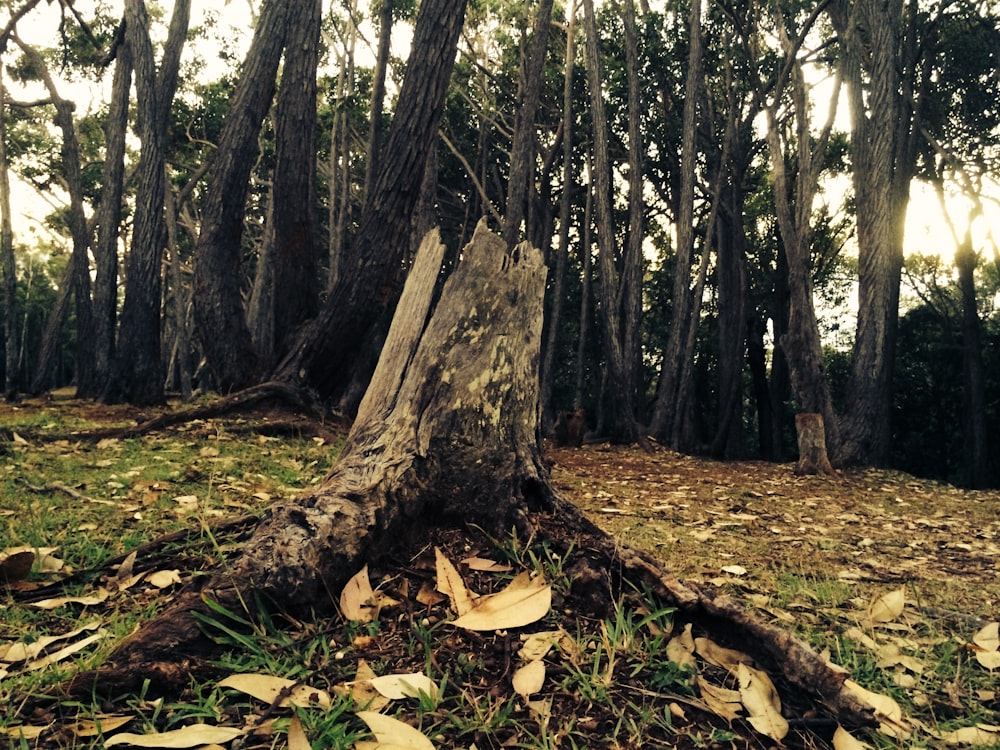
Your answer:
<point x="267" y="688"/>
<point x="528" y="680"/>
<point x="450" y="583"/>
<point x="887" y="607"/>
<point x="408" y="685"/>
<point x="392" y="733"/>
<point x="194" y="735"/>
<point x="524" y="601"/>
<point x="761" y="700"/>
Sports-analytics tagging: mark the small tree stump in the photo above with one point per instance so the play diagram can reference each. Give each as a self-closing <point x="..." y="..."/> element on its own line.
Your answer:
<point x="811" y="435"/>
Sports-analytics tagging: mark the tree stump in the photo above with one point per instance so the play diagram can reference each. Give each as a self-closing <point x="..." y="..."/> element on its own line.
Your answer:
<point x="446" y="434"/>
<point x="810" y="431"/>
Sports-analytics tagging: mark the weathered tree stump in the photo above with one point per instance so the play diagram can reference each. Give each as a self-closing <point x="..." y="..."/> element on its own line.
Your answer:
<point x="813" y="458"/>
<point x="446" y="434"/>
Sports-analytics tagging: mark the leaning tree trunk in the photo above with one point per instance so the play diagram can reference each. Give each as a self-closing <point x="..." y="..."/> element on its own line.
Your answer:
<point x="446" y="434"/>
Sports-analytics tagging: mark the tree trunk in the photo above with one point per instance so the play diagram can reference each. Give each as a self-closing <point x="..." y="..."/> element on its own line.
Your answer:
<point x="522" y="149"/>
<point x="109" y="214"/>
<point x="286" y="288"/>
<point x="77" y="219"/>
<point x="370" y="272"/>
<point x="12" y="365"/>
<point x="377" y="107"/>
<point x="976" y="471"/>
<point x="218" y="303"/>
<point x="137" y="376"/>
<point x="882" y="120"/>
<point x="622" y="425"/>
<point x="812" y="445"/>
<point x="668" y="409"/>
<point x="562" y="252"/>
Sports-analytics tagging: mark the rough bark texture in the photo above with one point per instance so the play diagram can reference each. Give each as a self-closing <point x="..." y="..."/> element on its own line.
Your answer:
<point x="11" y="363"/>
<point x="137" y="375"/>
<point x="218" y="304"/>
<point x="813" y="457"/>
<point x="108" y="215"/>
<point x="369" y="273"/>
<point x="286" y="287"/>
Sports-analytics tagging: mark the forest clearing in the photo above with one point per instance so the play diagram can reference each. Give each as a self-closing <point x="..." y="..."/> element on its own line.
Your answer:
<point x="891" y="577"/>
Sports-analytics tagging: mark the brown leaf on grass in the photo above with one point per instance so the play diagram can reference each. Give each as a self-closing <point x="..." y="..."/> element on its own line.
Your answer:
<point x="720" y="656"/>
<point x="528" y="680"/>
<point x="844" y="740"/>
<point x="721" y="701"/>
<point x="887" y="711"/>
<point x="17" y="566"/>
<point x="194" y="735"/>
<point x="680" y="648"/>
<point x="391" y="733"/>
<point x="524" y="601"/>
<point x="297" y="739"/>
<point x="763" y="706"/>
<point x="450" y="583"/>
<point x="359" y="602"/>
<point x="485" y="565"/>
<point x="104" y="724"/>
<point x="404" y="685"/>
<point x="267" y="688"/>
<point x="986" y="646"/>
<point x="887" y="607"/>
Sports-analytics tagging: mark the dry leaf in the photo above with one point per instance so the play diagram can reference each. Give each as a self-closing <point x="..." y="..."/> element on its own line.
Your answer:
<point x="64" y="652"/>
<point x="393" y="732"/>
<point x="887" y="711"/>
<point x="399" y="686"/>
<point x="524" y="601"/>
<point x="844" y="740"/>
<point x="357" y="598"/>
<point x="429" y="596"/>
<point x="99" y="725"/>
<point x="978" y="736"/>
<point x="537" y="645"/>
<point x="721" y="701"/>
<point x="266" y="688"/>
<point x="887" y="607"/>
<point x="361" y="689"/>
<point x="163" y="578"/>
<point x="450" y="583"/>
<point x="529" y="679"/>
<point x="719" y="656"/>
<point x="21" y="651"/>
<point x="485" y="565"/>
<point x="986" y="646"/>
<point x="194" y="735"/>
<point x="762" y="703"/>
<point x="680" y="648"/>
<point x="297" y="739"/>
<point x="97" y="598"/>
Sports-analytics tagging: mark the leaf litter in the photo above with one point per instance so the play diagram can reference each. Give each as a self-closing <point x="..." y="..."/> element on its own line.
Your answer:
<point x="890" y="568"/>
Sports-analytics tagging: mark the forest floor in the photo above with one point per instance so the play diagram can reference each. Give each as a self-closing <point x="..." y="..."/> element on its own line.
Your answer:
<point x="891" y="577"/>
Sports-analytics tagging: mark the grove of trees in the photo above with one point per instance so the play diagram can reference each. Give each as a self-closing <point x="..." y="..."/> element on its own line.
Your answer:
<point x="718" y="192"/>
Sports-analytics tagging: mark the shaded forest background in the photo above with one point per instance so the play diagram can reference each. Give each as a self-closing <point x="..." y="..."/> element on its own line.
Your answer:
<point x="723" y="250"/>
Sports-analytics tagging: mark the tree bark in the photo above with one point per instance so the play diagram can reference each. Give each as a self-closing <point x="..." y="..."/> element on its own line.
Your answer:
<point x="219" y="314"/>
<point x="108" y="215"/>
<point x="976" y="471"/>
<point x="286" y="287"/>
<point x="622" y="426"/>
<point x="813" y="457"/>
<point x="522" y="149"/>
<point x="668" y="410"/>
<point x="370" y="272"/>
<point x="12" y="365"/>
<point x="562" y="252"/>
